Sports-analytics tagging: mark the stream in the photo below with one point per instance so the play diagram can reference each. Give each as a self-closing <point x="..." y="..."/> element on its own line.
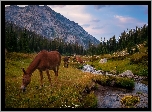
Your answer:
<point x="109" y="97"/>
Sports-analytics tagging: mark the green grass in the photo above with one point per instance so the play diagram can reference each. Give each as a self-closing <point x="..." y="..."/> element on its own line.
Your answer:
<point x="121" y="66"/>
<point x="137" y="62"/>
<point x="114" y="81"/>
<point x="72" y="90"/>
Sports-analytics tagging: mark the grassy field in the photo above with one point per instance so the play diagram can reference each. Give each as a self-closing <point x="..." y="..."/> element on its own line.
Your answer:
<point x="70" y="91"/>
<point x="137" y="62"/>
<point x="73" y="89"/>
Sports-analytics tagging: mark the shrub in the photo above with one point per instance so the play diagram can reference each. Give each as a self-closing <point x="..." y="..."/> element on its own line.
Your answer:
<point x="114" y="81"/>
<point x="125" y="82"/>
<point x="143" y="72"/>
<point x="139" y="58"/>
<point x="129" y="101"/>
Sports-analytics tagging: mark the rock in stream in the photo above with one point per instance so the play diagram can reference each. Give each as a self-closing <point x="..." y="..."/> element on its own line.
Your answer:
<point x="109" y="97"/>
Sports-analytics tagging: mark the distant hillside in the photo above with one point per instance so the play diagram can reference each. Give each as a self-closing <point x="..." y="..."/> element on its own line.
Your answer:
<point x="46" y="22"/>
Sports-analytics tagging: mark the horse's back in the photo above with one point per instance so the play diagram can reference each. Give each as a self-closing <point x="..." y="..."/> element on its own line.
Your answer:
<point x="48" y="60"/>
<point x="54" y="57"/>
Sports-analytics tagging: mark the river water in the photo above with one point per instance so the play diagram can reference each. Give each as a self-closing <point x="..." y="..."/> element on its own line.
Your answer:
<point x="109" y="97"/>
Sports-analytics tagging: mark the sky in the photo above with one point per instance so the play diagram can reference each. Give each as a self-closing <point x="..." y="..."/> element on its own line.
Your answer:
<point x="104" y="20"/>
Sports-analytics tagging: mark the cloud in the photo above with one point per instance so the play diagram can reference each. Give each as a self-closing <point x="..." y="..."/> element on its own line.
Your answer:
<point x="95" y="20"/>
<point x="99" y="6"/>
<point x="98" y="27"/>
<point x="127" y="21"/>
<point x="106" y="23"/>
<point x="76" y="13"/>
<point x="123" y="19"/>
<point x="60" y="6"/>
<point x="85" y="25"/>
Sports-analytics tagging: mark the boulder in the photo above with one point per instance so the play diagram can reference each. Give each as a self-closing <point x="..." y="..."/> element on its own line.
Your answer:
<point x="104" y="60"/>
<point x="127" y="73"/>
<point x="88" y="68"/>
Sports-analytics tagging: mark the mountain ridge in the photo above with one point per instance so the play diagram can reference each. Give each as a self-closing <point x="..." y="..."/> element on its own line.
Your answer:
<point x="46" y="22"/>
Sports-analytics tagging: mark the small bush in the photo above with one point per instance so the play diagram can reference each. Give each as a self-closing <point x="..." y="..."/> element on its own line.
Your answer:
<point x="114" y="81"/>
<point x="80" y="67"/>
<point x="139" y="58"/>
<point x="124" y="82"/>
<point x="143" y="72"/>
<point x="129" y="101"/>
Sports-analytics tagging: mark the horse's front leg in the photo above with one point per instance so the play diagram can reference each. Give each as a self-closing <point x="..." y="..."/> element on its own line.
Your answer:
<point x="41" y="78"/>
<point x="47" y="72"/>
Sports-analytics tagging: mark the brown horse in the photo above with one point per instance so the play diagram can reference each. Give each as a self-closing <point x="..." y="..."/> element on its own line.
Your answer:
<point x="66" y="61"/>
<point x="78" y="59"/>
<point x="44" y="61"/>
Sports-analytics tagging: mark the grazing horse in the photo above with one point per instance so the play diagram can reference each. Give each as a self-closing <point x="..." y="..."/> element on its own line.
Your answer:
<point x="66" y="61"/>
<point x="78" y="59"/>
<point x="44" y="61"/>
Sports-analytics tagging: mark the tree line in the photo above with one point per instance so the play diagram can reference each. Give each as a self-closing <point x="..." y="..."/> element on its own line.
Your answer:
<point x="19" y="39"/>
<point x="128" y="39"/>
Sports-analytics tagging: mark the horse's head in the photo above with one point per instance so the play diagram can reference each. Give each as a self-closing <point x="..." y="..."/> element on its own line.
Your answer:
<point x="26" y="80"/>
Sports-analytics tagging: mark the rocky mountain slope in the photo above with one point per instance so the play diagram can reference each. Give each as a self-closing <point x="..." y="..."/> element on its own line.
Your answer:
<point x="46" y="22"/>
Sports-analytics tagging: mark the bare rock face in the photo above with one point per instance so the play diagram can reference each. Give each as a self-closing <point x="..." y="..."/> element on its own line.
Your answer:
<point x="103" y="60"/>
<point x="127" y="73"/>
<point x="46" y="22"/>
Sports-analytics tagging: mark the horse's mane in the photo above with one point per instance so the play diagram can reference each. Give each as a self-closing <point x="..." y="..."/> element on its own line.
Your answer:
<point x="33" y="65"/>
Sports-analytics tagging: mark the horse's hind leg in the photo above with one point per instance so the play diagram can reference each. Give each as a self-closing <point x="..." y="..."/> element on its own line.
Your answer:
<point x="56" y="72"/>
<point x="41" y="78"/>
<point x="47" y="72"/>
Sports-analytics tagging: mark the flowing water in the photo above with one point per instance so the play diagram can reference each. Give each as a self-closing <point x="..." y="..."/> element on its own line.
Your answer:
<point x="109" y="97"/>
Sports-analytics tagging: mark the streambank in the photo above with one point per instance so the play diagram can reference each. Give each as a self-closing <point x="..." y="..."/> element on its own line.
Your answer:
<point x="110" y="97"/>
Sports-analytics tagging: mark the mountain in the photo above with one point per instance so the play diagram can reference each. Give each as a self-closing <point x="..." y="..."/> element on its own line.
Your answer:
<point x="46" y="22"/>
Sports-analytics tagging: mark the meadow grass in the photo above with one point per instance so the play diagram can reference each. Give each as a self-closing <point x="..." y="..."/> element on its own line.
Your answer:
<point x="137" y="62"/>
<point x="70" y="91"/>
<point x="73" y="89"/>
<point x="120" y="66"/>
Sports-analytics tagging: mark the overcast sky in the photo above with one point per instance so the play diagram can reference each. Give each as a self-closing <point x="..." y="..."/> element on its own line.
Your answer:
<point x="105" y="20"/>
